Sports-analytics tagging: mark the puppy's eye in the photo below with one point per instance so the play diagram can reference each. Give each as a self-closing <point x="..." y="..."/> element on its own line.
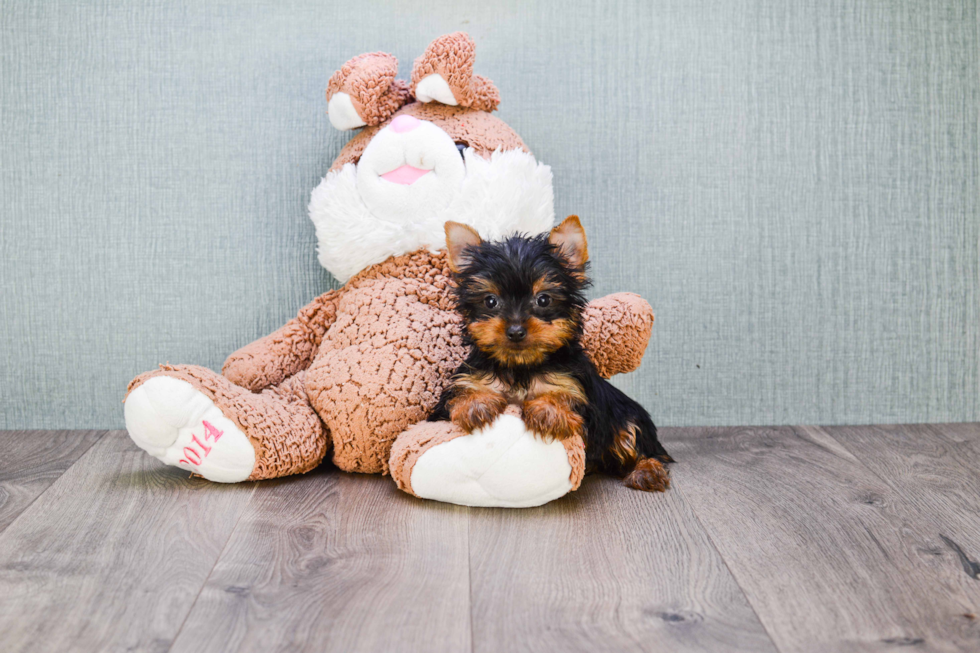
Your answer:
<point x="543" y="300"/>
<point x="461" y="147"/>
<point x="490" y="301"/>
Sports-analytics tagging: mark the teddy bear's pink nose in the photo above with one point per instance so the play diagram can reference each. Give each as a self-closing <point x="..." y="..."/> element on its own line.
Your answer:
<point x="403" y="124"/>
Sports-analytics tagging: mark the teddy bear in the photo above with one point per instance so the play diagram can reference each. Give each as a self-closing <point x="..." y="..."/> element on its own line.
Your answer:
<point x="355" y="374"/>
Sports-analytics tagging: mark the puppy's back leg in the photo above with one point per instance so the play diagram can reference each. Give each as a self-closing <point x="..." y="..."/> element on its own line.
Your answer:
<point x="629" y="445"/>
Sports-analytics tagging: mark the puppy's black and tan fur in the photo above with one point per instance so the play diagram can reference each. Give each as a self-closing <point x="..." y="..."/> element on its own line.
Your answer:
<point x="522" y="301"/>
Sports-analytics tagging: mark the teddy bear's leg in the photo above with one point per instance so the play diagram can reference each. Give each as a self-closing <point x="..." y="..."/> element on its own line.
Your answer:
<point x="192" y="418"/>
<point x="503" y="465"/>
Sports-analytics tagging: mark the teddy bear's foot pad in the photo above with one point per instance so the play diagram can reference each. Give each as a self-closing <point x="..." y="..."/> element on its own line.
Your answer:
<point x="503" y="465"/>
<point x="177" y="424"/>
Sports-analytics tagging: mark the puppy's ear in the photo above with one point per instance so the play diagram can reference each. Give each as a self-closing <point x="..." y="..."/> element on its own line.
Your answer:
<point x="458" y="238"/>
<point x="569" y="237"/>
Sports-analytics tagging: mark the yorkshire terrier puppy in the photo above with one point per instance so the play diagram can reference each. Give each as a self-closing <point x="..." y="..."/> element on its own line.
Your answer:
<point x="522" y="300"/>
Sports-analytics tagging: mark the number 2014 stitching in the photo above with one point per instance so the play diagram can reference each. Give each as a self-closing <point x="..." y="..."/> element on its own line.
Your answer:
<point x="191" y="456"/>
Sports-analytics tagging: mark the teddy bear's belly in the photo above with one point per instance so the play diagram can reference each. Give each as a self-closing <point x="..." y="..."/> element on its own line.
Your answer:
<point x="382" y="367"/>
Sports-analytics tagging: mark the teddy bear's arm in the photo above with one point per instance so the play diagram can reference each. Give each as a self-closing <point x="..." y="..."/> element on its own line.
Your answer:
<point x="615" y="332"/>
<point x="291" y="348"/>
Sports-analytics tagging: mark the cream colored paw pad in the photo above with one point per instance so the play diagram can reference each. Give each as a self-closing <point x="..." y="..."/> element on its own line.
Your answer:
<point x="180" y="426"/>
<point x="503" y="465"/>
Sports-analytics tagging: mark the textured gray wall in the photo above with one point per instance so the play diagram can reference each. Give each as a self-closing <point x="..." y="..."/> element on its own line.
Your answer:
<point x="791" y="183"/>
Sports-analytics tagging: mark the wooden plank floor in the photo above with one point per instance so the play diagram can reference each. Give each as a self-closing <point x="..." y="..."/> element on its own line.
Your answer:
<point x="772" y="539"/>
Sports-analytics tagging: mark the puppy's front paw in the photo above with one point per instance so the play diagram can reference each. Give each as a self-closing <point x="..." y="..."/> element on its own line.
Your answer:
<point x="476" y="410"/>
<point x="552" y="417"/>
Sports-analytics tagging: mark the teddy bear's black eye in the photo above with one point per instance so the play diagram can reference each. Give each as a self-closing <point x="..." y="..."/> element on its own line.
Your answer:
<point x="490" y="301"/>
<point x="461" y="146"/>
<point x="543" y="300"/>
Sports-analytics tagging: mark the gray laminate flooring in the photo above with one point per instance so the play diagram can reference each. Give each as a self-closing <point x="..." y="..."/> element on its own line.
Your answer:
<point x="771" y="539"/>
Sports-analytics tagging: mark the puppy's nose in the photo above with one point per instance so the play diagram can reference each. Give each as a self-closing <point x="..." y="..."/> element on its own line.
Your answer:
<point x="403" y="124"/>
<point x="516" y="333"/>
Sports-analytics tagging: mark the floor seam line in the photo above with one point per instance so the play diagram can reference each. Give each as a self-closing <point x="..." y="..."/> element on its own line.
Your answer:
<point x="60" y="476"/>
<point x="221" y="553"/>
<point x="860" y="460"/>
<point x="724" y="561"/>
<point x="899" y="492"/>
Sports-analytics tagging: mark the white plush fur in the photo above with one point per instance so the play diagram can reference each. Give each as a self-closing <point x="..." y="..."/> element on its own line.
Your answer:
<point x="503" y="465"/>
<point x="425" y="147"/>
<point x="509" y="193"/>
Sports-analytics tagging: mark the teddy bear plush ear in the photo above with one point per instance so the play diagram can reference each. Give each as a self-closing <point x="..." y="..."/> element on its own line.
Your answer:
<point x="444" y="74"/>
<point x="365" y="92"/>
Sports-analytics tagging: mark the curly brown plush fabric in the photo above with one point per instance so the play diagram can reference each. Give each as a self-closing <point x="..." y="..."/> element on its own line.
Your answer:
<point x="385" y="361"/>
<point x="370" y="81"/>
<point x="377" y="355"/>
<point x="282" y="426"/>
<point x="452" y="56"/>
<point x="615" y="332"/>
<point x="286" y="351"/>
<point x="575" y="447"/>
